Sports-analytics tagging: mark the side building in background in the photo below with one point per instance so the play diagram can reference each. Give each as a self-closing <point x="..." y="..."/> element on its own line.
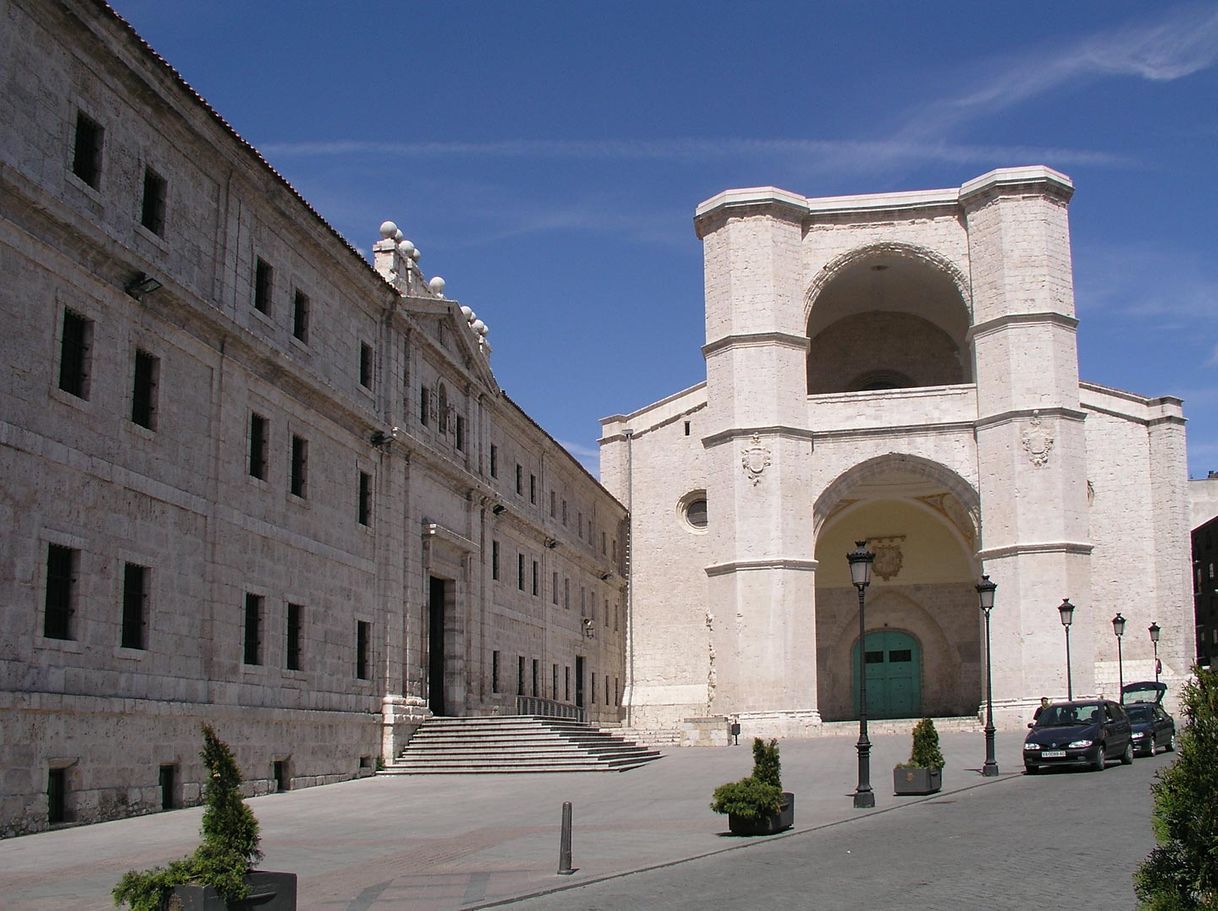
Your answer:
<point x="246" y="477"/>
<point x="899" y="369"/>
<point x="1204" y="500"/>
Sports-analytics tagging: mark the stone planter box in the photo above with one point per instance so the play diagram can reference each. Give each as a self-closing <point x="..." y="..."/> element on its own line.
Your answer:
<point x="916" y="780"/>
<point x="783" y="819"/>
<point x="268" y="892"/>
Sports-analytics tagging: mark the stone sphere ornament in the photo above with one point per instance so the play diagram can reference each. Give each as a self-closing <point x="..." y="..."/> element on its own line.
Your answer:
<point x="436" y="284"/>
<point x="388" y="229"/>
<point x="416" y="254"/>
<point x="405" y="247"/>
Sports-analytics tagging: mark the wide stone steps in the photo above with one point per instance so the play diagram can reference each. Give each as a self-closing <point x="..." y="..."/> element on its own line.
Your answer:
<point x="515" y="744"/>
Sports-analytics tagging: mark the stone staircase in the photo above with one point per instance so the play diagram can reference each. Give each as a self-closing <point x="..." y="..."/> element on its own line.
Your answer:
<point x="514" y="744"/>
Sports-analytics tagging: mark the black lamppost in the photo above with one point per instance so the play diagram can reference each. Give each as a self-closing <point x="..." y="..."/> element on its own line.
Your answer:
<point x="1153" y="629"/>
<point x="1066" y="611"/>
<point x="860" y="574"/>
<point x="1118" y="630"/>
<point x="985" y="595"/>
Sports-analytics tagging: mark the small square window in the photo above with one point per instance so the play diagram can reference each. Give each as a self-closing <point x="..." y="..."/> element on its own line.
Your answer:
<point x="75" y="346"/>
<point x="87" y="155"/>
<point x="300" y="467"/>
<point x="365" y="365"/>
<point x="63" y="565"/>
<point x="300" y="316"/>
<point x="144" y="389"/>
<point x="152" y="209"/>
<point x="260" y="432"/>
<point x="264" y="282"/>
<point x="135" y="606"/>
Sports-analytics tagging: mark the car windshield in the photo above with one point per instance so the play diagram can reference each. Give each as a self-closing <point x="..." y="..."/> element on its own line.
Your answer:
<point x="1063" y="715"/>
<point x="1140" y="712"/>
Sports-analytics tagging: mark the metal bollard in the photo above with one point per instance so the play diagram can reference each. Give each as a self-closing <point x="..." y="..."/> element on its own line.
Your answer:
<point x="564" y="845"/>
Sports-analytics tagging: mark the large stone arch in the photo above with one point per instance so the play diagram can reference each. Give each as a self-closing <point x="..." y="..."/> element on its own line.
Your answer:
<point x="851" y="258"/>
<point x="967" y="517"/>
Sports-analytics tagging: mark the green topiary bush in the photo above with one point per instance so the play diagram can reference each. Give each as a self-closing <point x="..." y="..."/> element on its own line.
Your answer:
<point x="926" y="753"/>
<point x="1181" y="874"/>
<point x="230" y="841"/>
<point x="760" y="795"/>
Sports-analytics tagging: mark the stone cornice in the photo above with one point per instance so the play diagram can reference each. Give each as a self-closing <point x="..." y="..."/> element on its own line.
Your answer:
<point x="1040" y="547"/>
<point x="1034" y="178"/>
<point x="1012" y="319"/>
<point x="437" y="532"/>
<point x="768" y="563"/>
<point x="757" y="340"/>
<point x="948" y="427"/>
<point x="1015" y="414"/>
<point x="774" y="430"/>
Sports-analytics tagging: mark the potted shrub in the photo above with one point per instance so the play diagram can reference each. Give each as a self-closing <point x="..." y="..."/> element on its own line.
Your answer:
<point x="219" y="875"/>
<point x="757" y="805"/>
<point x="923" y="773"/>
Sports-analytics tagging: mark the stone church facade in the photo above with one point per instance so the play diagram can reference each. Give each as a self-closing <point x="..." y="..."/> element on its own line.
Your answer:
<point x="247" y="477"/>
<point x="901" y="369"/>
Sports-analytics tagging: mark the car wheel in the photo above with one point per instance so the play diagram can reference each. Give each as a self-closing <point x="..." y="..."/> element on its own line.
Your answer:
<point x="1171" y="743"/>
<point x="1127" y="756"/>
<point x="1032" y="769"/>
<point x="1097" y="764"/>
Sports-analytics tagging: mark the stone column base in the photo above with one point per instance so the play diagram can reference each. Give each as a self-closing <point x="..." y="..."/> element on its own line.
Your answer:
<point x="400" y="718"/>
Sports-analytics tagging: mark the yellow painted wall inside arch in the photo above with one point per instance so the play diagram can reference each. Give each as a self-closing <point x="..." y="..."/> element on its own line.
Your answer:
<point x="932" y="552"/>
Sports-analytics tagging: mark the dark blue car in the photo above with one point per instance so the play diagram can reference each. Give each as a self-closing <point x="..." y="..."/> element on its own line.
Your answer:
<point x="1152" y="726"/>
<point x="1086" y="732"/>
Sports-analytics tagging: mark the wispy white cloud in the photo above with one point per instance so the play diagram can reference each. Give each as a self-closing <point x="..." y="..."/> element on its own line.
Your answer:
<point x="1146" y="282"/>
<point x="588" y="456"/>
<point x="1162" y="49"/>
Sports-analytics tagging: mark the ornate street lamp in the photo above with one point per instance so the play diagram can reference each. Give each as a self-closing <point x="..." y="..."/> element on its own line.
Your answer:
<point x="1118" y="630"/>
<point x="1153" y="629"/>
<point x="985" y="597"/>
<point x="860" y="574"/>
<point x="1066" y="611"/>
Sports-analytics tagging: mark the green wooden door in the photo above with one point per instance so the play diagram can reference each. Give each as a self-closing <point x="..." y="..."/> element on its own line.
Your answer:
<point x="894" y="675"/>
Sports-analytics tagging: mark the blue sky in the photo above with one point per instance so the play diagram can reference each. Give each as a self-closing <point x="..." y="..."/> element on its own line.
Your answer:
<point x="546" y="157"/>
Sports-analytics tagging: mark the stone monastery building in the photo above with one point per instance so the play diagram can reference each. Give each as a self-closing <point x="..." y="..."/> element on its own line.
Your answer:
<point x="901" y="369"/>
<point x="246" y="477"/>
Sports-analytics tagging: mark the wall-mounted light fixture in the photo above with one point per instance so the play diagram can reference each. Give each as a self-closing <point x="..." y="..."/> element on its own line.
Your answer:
<point x="382" y="440"/>
<point x="498" y="509"/>
<point x="142" y="285"/>
<point x="551" y="543"/>
<point x="589" y="627"/>
<point x="605" y="575"/>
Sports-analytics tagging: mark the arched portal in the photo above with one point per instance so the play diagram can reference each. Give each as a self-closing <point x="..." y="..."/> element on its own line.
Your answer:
<point x="923" y="628"/>
<point x="887" y="316"/>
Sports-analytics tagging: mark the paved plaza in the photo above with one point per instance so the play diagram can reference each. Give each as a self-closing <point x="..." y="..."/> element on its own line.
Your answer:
<point x="646" y="838"/>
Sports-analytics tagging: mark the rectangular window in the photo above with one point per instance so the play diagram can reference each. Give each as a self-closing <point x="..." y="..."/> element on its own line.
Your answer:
<point x="554" y="682"/>
<point x="300" y="316"/>
<point x="424" y="402"/>
<point x="362" y="629"/>
<point x="604" y="544"/>
<point x="592" y="679"/>
<point x="63" y="564"/>
<point x="264" y="282"/>
<point x="494" y="671"/>
<point x="617" y="695"/>
<point x="87" y="156"/>
<point x="295" y="622"/>
<point x="364" y="511"/>
<point x="553" y="503"/>
<point x="253" y="629"/>
<point x="616" y="613"/>
<point x="613" y="555"/>
<point x="495" y="560"/>
<point x="687" y="428"/>
<point x="300" y="466"/>
<point x="494" y="461"/>
<point x="519" y="480"/>
<point x="566" y="593"/>
<point x="460" y="433"/>
<point x="564" y="512"/>
<point x="167" y="777"/>
<point x="579" y="525"/>
<point x="536" y="579"/>
<point x="606" y="689"/>
<point x="605" y="615"/>
<point x="535" y="666"/>
<point x="583" y="601"/>
<point x="554" y="589"/>
<point x="520" y="571"/>
<point x="144" y="389"/>
<point x="135" y="605"/>
<point x="520" y="676"/>
<point x="57" y="796"/>
<point x="533" y="489"/>
<point x="74" y="348"/>
<point x="259" y="441"/>
<point x="566" y="683"/>
<point x="365" y="365"/>
<point x="152" y="211"/>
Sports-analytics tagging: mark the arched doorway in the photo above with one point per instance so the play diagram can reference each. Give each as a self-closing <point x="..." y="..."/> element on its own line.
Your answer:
<point x="923" y="629"/>
<point x="894" y="675"/>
